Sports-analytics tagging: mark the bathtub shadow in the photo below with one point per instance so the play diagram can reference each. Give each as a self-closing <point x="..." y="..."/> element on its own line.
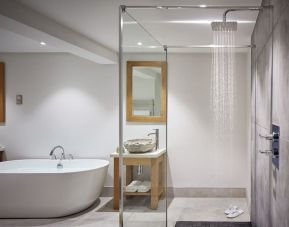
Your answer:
<point x="91" y="208"/>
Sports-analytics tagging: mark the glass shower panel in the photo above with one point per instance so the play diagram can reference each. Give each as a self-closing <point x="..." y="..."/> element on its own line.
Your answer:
<point x="143" y="175"/>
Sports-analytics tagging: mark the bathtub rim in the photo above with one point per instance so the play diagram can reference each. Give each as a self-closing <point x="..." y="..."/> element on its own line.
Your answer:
<point x="105" y="164"/>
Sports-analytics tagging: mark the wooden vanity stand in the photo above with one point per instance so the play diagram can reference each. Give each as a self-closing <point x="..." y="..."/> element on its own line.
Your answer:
<point x="153" y="159"/>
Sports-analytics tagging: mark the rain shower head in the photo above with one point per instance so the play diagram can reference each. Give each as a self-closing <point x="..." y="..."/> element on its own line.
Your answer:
<point x="224" y="26"/>
<point x="230" y="26"/>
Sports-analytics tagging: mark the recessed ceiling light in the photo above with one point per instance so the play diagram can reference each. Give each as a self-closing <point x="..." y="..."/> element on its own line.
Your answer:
<point x="139" y="43"/>
<point x="43" y="43"/>
<point x="159" y="7"/>
<point x="203" y="6"/>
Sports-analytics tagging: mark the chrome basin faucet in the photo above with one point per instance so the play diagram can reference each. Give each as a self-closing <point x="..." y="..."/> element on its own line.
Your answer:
<point x="156" y="133"/>
<point x="52" y="155"/>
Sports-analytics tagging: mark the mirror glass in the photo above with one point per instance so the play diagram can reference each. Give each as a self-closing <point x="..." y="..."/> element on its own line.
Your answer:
<point x="146" y="90"/>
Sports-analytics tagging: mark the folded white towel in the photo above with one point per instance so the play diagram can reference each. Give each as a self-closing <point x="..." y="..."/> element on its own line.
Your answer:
<point x="144" y="186"/>
<point x="133" y="186"/>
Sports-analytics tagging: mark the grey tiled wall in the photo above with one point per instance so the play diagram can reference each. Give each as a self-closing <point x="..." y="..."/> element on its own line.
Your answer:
<point x="270" y="104"/>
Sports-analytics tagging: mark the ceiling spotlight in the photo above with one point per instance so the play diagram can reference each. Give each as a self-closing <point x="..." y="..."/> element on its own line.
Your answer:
<point x="43" y="43"/>
<point x="139" y="43"/>
<point x="159" y="7"/>
<point x="203" y="6"/>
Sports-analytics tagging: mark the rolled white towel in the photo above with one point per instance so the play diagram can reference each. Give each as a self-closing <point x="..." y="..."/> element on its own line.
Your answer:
<point x="144" y="186"/>
<point x="133" y="186"/>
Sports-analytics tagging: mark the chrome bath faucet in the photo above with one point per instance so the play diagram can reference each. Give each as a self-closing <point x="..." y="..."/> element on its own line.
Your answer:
<point x="53" y="156"/>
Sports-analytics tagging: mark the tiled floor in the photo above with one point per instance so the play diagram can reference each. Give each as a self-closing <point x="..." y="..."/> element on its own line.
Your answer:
<point x="138" y="214"/>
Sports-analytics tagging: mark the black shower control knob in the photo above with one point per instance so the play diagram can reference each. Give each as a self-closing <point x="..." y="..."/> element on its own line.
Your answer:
<point x="275" y="152"/>
<point x="275" y="136"/>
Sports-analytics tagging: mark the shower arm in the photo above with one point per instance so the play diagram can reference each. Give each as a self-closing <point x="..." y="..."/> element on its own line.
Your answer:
<point x="239" y="9"/>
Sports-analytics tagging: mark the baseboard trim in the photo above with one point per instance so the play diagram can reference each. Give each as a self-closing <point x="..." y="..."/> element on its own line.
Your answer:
<point x="207" y="192"/>
<point x="194" y="192"/>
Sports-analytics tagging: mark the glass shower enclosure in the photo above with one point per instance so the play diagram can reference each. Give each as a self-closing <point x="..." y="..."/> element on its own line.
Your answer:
<point x="140" y="178"/>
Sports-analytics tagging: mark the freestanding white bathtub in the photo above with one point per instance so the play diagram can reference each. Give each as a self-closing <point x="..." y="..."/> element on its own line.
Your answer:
<point x="36" y="188"/>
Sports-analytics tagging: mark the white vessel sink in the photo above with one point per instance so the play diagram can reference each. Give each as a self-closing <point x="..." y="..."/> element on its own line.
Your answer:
<point x="139" y="145"/>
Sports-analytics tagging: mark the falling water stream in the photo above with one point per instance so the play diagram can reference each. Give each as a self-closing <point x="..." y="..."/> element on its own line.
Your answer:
<point x="222" y="83"/>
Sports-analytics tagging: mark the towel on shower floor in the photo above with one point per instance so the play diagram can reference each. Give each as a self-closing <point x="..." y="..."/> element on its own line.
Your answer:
<point x="144" y="186"/>
<point x="133" y="186"/>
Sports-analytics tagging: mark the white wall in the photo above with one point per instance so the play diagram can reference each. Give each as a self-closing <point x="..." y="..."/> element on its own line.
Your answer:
<point x="66" y="100"/>
<point x="194" y="160"/>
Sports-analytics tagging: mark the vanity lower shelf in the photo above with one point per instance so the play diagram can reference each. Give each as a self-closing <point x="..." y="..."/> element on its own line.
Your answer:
<point x="141" y="193"/>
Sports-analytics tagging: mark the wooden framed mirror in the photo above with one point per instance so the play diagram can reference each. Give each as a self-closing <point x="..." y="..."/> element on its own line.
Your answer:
<point x="146" y="91"/>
